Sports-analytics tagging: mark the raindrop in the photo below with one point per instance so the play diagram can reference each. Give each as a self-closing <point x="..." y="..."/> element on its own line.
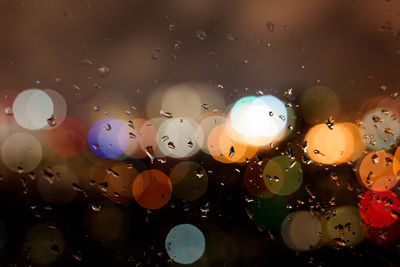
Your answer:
<point x="201" y="35"/>
<point x="52" y="121"/>
<point x="165" y="114"/>
<point x="231" y="152"/>
<point x="8" y="111"/>
<point x="270" y="26"/>
<point x="103" y="71"/>
<point x="171" y="145"/>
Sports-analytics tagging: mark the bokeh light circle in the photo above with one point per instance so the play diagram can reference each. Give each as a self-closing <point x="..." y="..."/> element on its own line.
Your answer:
<point x="381" y="129"/>
<point x="68" y="138"/>
<point x="60" y="108"/>
<point x="301" y="231"/>
<point x="32" y="108"/>
<point x="379" y="208"/>
<point x="142" y="134"/>
<point x="152" y="189"/>
<point x="176" y="138"/>
<point x="45" y="244"/>
<point x="21" y="152"/>
<point x="120" y="178"/>
<point x="207" y="123"/>
<point x="375" y="171"/>
<point x="282" y="175"/>
<point x="185" y="243"/>
<point x="396" y="162"/>
<point x="108" y="138"/>
<point x="264" y="116"/>
<point x="333" y="145"/>
<point x="342" y="227"/>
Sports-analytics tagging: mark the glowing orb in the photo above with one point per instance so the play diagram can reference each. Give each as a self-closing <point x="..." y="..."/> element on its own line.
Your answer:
<point x="32" y="108"/>
<point x="152" y="189"/>
<point x="264" y="116"/>
<point x="45" y="244"/>
<point x="176" y="138"/>
<point x="21" y="152"/>
<point x="342" y="227"/>
<point x="301" y="231"/>
<point x="379" y="208"/>
<point x="108" y="138"/>
<point x="68" y="138"/>
<point x="185" y="243"/>
<point x="375" y="171"/>
<point x="282" y="175"/>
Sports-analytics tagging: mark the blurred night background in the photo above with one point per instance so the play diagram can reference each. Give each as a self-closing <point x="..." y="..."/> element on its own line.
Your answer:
<point x="199" y="133"/>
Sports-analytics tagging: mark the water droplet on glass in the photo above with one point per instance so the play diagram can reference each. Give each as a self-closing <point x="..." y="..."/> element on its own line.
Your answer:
<point x="103" y="71"/>
<point x="201" y="35"/>
<point x="165" y="114"/>
<point x="8" y="111"/>
<point x="270" y="26"/>
<point x="107" y="126"/>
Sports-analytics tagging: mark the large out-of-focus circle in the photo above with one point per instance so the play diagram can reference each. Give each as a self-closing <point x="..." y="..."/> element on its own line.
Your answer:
<point x="343" y="226"/>
<point x="330" y="146"/>
<point x="21" y="152"/>
<point x="396" y="162"/>
<point x="108" y="138"/>
<point x="189" y="180"/>
<point x="227" y="150"/>
<point x="60" y="107"/>
<point x="142" y="134"/>
<point x="119" y="178"/>
<point x="379" y="208"/>
<point x="152" y="189"/>
<point x="182" y="100"/>
<point x="45" y="244"/>
<point x="375" y="171"/>
<point x="282" y="175"/>
<point x="185" y="244"/>
<point x="68" y="138"/>
<point x="32" y="108"/>
<point x="381" y="129"/>
<point x="206" y="125"/>
<point x="301" y="230"/>
<point x="176" y="138"/>
<point x="319" y="103"/>
<point x="264" y="116"/>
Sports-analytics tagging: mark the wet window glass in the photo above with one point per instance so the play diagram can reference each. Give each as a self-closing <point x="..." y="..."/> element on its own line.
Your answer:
<point x="200" y="133"/>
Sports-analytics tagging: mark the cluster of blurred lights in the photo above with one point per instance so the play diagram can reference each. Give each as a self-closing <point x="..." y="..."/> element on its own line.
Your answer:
<point x="185" y="120"/>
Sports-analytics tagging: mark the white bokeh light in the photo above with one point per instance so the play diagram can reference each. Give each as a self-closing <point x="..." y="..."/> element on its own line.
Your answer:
<point x="32" y="108"/>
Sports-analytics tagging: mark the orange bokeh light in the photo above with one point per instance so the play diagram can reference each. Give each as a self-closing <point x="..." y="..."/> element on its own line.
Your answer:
<point x="375" y="171"/>
<point x="334" y="146"/>
<point x="226" y="150"/>
<point x="152" y="189"/>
